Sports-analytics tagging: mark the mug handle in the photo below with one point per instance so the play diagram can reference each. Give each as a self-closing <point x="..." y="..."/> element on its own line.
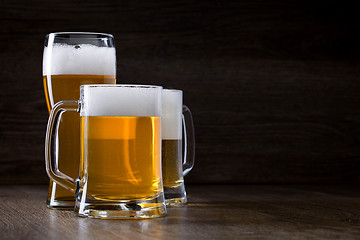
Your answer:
<point x="51" y="162"/>
<point x="189" y="140"/>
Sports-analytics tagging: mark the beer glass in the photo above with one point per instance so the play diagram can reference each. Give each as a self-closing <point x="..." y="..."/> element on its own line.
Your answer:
<point x="72" y="59"/>
<point x="175" y="119"/>
<point x="120" y="151"/>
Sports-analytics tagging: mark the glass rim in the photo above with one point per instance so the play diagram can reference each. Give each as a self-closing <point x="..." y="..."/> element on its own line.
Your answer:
<point x="172" y="90"/>
<point x="92" y="35"/>
<point x="121" y="85"/>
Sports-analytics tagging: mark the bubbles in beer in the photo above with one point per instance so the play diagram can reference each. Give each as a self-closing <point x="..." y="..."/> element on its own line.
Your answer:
<point x="171" y="122"/>
<point x="85" y="59"/>
<point x="121" y="101"/>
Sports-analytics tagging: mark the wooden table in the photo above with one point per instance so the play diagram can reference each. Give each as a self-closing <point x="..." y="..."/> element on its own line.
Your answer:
<point x="213" y="212"/>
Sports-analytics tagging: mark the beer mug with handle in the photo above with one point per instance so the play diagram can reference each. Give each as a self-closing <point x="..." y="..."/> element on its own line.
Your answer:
<point x="120" y="151"/>
<point x="176" y="118"/>
<point x="72" y="59"/>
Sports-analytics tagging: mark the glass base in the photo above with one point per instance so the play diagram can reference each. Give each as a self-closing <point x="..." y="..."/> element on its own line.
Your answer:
<point x="141" y="209"/>
<point x="60" y="198"/>
<point x="60" y="205"/>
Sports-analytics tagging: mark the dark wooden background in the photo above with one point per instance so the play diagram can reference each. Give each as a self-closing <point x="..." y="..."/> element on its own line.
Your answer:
<point x="274" y="86"/>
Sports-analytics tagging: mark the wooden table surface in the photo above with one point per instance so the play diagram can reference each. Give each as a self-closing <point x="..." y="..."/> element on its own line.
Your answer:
<point x="213" y="212"/>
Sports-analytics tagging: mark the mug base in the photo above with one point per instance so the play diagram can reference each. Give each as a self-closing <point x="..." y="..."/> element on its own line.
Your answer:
<point x="106" y="213"/>
<point x="151" y="208"/>
<point x="175" y="202"/>
<point x="175" y="196"/>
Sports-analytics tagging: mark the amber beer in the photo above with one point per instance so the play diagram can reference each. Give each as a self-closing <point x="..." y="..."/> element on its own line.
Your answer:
<point x="121" y="156"/>
<point x="67" y="87"/>
<point x="69" y="62"/>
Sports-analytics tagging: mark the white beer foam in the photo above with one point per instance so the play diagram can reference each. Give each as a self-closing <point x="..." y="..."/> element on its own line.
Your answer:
<point x="80" y="59"/>
<point x="119" y="100"/>
<point x="171" y="121"/>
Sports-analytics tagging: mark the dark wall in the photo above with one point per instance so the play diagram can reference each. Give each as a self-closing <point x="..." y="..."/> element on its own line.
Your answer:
<point x="273" y="85"/>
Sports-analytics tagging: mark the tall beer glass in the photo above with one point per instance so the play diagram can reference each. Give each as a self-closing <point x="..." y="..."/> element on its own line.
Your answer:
<point x="176" y="118"/>
<point x="120" y="169"/>
<point x="70" y="60"/>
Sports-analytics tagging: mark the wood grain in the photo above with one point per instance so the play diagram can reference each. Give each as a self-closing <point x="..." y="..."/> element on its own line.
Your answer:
<point x="273" y="85"/>
<point x="213" y="212"/>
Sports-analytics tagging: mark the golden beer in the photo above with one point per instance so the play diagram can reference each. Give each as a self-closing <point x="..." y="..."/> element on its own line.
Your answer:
<point x="172" y="163"/>
<point x="120" y="157"/>
<point x="59" y="88"/>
